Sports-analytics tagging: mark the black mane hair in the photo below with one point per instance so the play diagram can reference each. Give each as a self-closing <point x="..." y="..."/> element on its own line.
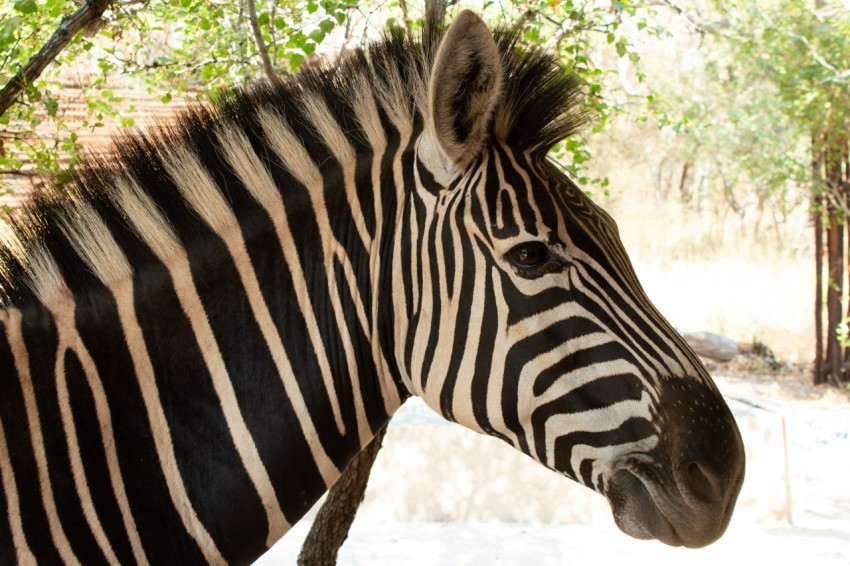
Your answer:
<point x="542" y="104"/>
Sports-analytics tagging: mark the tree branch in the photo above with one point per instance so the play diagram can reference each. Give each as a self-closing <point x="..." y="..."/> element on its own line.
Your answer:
<point x="88" y="13"/>
<point x="261" y="44"/>
<point x="330" y="529"/>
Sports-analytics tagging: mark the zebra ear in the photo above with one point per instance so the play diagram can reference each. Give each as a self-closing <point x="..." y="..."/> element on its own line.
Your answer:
<point x="466" y="83"/>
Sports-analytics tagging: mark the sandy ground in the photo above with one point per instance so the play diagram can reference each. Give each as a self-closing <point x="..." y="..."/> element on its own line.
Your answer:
<point x="817" y="422"/>
<point x="522" y="544"/>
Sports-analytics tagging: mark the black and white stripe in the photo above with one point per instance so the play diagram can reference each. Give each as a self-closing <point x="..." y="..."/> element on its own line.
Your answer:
<point x="198" y="332"/>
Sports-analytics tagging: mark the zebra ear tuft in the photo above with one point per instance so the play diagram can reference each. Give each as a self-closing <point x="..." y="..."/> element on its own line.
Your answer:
<point x="466" y="83"/>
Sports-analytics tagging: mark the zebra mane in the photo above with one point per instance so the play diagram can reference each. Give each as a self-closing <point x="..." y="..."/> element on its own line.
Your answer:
<point x="542" y="104"/>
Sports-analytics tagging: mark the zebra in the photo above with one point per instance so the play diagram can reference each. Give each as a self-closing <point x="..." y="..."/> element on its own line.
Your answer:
<point x="202" y="326"/>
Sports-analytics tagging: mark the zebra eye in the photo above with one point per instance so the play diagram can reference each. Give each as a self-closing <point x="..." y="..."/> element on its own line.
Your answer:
<point x="529" y="255"/>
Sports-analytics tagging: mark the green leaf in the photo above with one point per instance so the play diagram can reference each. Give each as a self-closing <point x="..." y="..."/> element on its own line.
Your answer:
<point x="309" y="48"/>
<point x="26" y="6"/>
<point x="327" y="26"/>
<point x="621" y="48"/>
<point x="205" y="24"/>
<point x="295" y="60"/>
<point x="52" y="106"/>
<point x="312" y="7"/>
<point x="55" y="7"/>
<point x="165" y="98"/>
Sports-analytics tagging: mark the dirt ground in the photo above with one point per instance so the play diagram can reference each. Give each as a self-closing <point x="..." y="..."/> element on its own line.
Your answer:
<point x="818" y="421"/>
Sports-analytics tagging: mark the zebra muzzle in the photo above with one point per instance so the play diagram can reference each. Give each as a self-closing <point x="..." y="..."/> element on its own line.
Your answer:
<point x="684" y="491"/>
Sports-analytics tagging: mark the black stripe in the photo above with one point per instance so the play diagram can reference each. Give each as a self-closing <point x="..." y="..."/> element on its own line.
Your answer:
<point x="213" y="473"/>
<point x="366" y="374"/>
<point x="597" y="394"/>
<point x="621" y="319"/>
<point x="39" y="333"/>
<point x="632" y="430"/>
<point x="93" y="457"/>
<point x="490" y="330"/>
<point x="436" y="307"/>
<point x="461" y="327"/>
<point x="365" y="190"/>
<point x="18" y="430"/>
<point x="573" y="361"/>
<point x="14" y="426"/>
<point x="515" y="181"/>
<point x="389" y="270"/>
<point x="158" y="524"/>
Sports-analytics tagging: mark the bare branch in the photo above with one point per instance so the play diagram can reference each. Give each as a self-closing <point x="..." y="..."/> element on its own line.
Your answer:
<point x="262" y="48"/>
<point x="839" y="75"/>
<point x="89" y="13"/>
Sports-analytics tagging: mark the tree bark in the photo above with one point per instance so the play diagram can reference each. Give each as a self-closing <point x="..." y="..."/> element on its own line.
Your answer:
<point x="330" y="529"/>
<point x="88" y="13"/>
<point x="835" y="265"/>
<point x="817" y="220"/>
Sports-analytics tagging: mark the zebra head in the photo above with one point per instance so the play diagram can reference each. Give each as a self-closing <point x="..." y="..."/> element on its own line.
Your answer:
<point x="528" y="322"/>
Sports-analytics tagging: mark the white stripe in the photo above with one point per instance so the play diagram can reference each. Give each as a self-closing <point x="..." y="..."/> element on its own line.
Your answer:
<point x="603" y="457"/>
<point x="318" y="114"/>
<point x="257" y="180"/>
<point x="200" y="191"/>
<point x="118" y="277"/>
<point x="21" y="356"/>
<point x="598" y="420"/>
<point x="626" y="327"/>
<point x="54" y="294"/>
<point x="13" y="505"/>
<point x="496" y="383"/>
<point x="77" y="470"/>
<point x="369" y="119"/>
<point x="463" y="394"/>
<point x="288" y="148"/>
<point x="108" y="439"/>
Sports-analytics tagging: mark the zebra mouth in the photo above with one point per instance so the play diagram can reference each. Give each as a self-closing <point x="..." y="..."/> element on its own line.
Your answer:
<point x="688" y="506"/>
<point x="635" y="505"/>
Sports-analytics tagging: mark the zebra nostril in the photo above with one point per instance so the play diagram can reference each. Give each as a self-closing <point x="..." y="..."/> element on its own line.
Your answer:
<point x="702" y="483"/>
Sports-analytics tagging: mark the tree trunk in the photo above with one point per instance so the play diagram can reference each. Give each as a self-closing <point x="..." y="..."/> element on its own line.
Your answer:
<point x="817" y="220"/>
<point x="330" y="529"/>
<point x="835" y="264"/>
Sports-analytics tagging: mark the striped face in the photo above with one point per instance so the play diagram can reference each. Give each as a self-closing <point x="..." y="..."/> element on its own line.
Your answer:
<point x="532" y="327"/>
